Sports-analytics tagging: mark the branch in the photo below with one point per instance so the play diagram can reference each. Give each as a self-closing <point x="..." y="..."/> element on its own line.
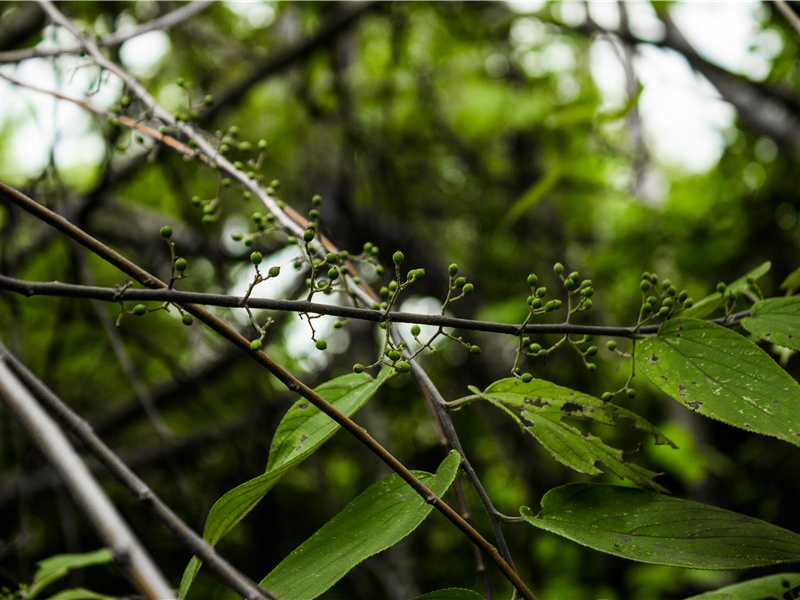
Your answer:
<point x="126" y="477"/>
<point x="284" y="376"/>
<point x="129" y="554"/>
<point x="113" y="39"/>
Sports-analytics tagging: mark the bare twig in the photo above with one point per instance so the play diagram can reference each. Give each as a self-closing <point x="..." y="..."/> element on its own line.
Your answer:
<point x="81" y="429"/>
<point x="128" y="553"/>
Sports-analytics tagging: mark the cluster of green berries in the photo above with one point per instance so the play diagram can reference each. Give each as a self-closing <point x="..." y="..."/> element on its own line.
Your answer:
<point x="664" y="298"/>
<point x="536" y="298"/>
<point x="534" y="349"/>
<point x="459" y="282"/>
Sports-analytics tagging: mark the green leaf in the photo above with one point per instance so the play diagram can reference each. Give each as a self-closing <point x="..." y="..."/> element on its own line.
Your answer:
<point x="776" y="320"/>
<point x="777" y="587"/>
<point x="80" y="594"/>
<point x="303" y="429"/>
<point x="60" y="562"/>
<point x="451" y="594"/>
<point x="653" y="528"/>
<point x="543" y="404"/>
<point x="792" y="282"/>
<point x="560" y="401"/>
<point x="715" y="301"/>
<point x="377" y="519"/>
<point x="720" y="374"/>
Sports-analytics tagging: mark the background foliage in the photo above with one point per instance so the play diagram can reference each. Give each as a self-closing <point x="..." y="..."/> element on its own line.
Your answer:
<point x="446" y="130"/>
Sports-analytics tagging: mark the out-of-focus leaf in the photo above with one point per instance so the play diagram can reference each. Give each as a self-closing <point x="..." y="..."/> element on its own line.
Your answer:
<point x="377" y="519"/>
<point x="67" y="562"/>
<point x="772" y="587"/>
<point x="653" y="528"/>
<point x="720" y="374"/>
<point x="792" y="281"/>
<point x="451" y="594"/>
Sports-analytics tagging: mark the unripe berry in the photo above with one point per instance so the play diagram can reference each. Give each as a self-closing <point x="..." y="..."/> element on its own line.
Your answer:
<point x="591" y="351"/>
<point x="536" y="348"/>
<point x="631" y="393"/>
<point x="526" y="378"/>
<point x="558" y="268"/>
<point x="331" y="258"/>
<point x="274" y="271"/>
<point x="255" y="345"/>
<point x="245" y="146"/>
<point x="393" y="355"/>
<point x="308" y="235"/>
<point x="379" y="270"/>
<point x="591" y="366"/>
<point x="415" y="330"/>
<point x="468" y="289"/>
<point x="606" y="396"/>
<point x="166" y="232"/>
<point x="587" y="292"/>
<point x="683" y="296"/>
<point x="187" y="319"/>
<point x="316" y="200"/>
<point x="236" y="236"/>
<point x="544" y="353"/>
<point x="574" y="276"/>
<point x="532" y="280"/>
<point x="181" y="264"/>
<point x="139" y="310"/>
<point x="652" y="300"/>
<point x="536" y="303"/>
<point x="398" y="258"/>
<point x="208" y="100"/>
<point x="644" y="285"/>
<point x="402" y="367"/>
<point x="688" y="303"/>
<point x="358" y="368"/>
<point x="663" y="311"/>
<point x="321" y="344"/>
<point x="392" y="286"/>
<point x="452" y="269"/>
<point x="338" y="324"/>
<point x="587" y="304"/>
<point x="569" y="284"/>
<point x="541" y="292"/>
<point x="611" y="345"/>
<point x="256" y="258"/>
<point x="647" y="309"/>
<point x="460" y="282"/>
<point x="721" y="287"/>
<point x="333" y="273"/>
<point x="416" y="274"/>
<point x="475" y="350"/>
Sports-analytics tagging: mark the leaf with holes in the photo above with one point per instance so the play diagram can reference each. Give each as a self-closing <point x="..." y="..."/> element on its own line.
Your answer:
<point x="558" y="401"/>
<point x="782" y="585"/>
<point x="303" y="429"/>
<point x="720" y="374"/>
<point x="776" y="320"/>
<point x="653" y="528"/>
<point x="377" y="519"/>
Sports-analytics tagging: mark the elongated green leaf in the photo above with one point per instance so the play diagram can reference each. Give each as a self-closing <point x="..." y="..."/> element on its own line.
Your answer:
<point x="451" y="594"/>
<point x="715" y="301"/>
<point x="792" y="281"/>
<point x="772" y="587"/>
<point x="658" y="529"/>
<point x="377" y="519"/>
<point x="303" y="429"/>
<point x="80" y="594"/>
<point x="720" y="374"/>
<point x="776" y="320"/>
<point x="572" y="449"/>
<point x="547" y="397"/>
<point x="66" y="562"/>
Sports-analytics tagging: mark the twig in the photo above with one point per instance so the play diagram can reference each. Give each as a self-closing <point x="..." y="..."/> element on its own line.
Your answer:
<point x="83" y="431"/>
<point x="284" y="376"/>
<point x="129" y="555"/>
<point x="112" y="39"/>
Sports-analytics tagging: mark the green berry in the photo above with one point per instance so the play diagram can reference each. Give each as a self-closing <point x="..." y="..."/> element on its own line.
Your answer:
<point x="587" y="292"/>
<point x="652" y="301"/>
<point x="181" y="264"/>
<point x="468" y="289"/>
<point x="402" y="367"/>
<point x="606" y="396"/>
<point x="321" y="344"/>
<point x="644" y="285"/>
<point x="393" y="286"/>
<point x="536" y="348"/>
<point x="536" y="303"/>
<point x="333" y="273"/>
<point x="591" y="351"/>
<point x="460" y="282"/>
<point x="416" y="274"/>
<point x="611" y="345"/>
<point x="245" y="146"/>
<point x="255" y="345"/>
<point x="574" y="276"/>
<point x="647" y="309"/>
<point x="532" y="280"/>
<point x="415" y="330"/>
<point x="274" y="271"/>
<point x="683" y="296"/>
<point x="262" y="144"/>
<point x="527" y="378"/>
<point x="166" y="232"/>
<point x="475" y="350"/>
<point x="452" y="269"/>
<point x="331" y="258"/>
<point x="226" y="182"/>
<point x="398" y="258"/>
<point x="394" y="355"/>
<point x="139" y="310"/>
<point x="587" y="304"/>
<point x="688" y="303"/>
<point x="308" y="235"/>
<point x="544" y="353"/>
<point x="233" y="131"/>
<point x="358" y="368"/>
<point x="237" y="236"/>
<point x="256" y="258"/>
<point x="316" y="200"/>
<point x="558" y="268"/>
<point x="721" y="287"/>
<point x="653" y="278"/>
<point x="379" y="270"/>
<point x="569" y="284"/>
<point x="208" y="100"/>
<point x="631" y="393"/>
<point x="663" y="311"/>
<point x="187" y="319"/>
<point x="591" y="366"/>
<point x="541" y="292"/>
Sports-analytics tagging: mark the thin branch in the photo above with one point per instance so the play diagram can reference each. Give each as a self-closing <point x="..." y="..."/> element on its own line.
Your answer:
<point x="284" y="376"/>
<point x="128" y="553"/>
<point x="112" y="39"/>
<point x="83" y="431"/>
<point x="70" y="290"/>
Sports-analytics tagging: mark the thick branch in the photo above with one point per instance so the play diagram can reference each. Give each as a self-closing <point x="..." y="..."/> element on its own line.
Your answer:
<point x="129" y="554"/>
